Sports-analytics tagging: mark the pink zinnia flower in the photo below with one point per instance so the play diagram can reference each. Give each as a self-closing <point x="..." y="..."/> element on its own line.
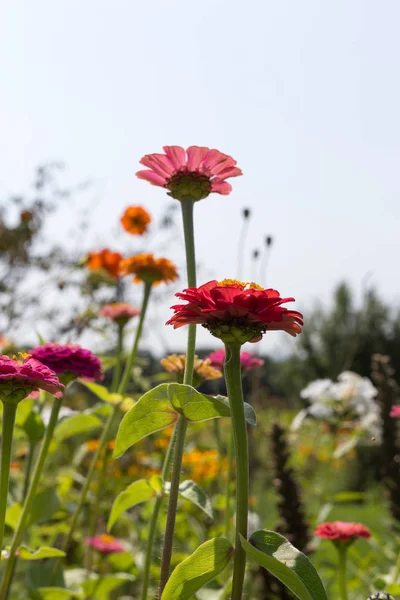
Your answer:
<point x="193" y="173"/>
<point x="247" y="360"/>
<point x="69" y="360"/>
<point x="19" y="378"/>
<point x="342" y="531"/>
<point x="235" y="311"/>
<point x="395" y="412"/>
<point x="105" y="544"/>
<point x="119" y="312"/>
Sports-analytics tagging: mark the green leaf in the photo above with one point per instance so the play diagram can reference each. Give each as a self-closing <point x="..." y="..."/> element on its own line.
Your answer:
<point x="102" y="392"/>
<point x="276" y="554"/>
<point x="191" y="491"/>
<point x="55" y="593"/>
<point x="138" y="491"/>
<point x="76" y="425"/>
<point x="44" y="505"/>
<point x="101" y="587"/>
<point x="200" y="407"/>
<point x="30" y="421"/>
<point x="198" y="569"/>
<point x="43" y="552"/>
<point x="151" y="413"/>
<point x="13" y="515"/>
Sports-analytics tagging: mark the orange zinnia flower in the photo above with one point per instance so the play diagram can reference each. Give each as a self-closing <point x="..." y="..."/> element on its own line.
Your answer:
<point x="148" y="269"/>
<point x="135" y="220"/>
<point x="106" y="260"/>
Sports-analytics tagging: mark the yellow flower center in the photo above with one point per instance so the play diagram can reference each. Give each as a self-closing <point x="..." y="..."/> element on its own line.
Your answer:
<point x="244" y="285"/>
<point x="107" y="538"/>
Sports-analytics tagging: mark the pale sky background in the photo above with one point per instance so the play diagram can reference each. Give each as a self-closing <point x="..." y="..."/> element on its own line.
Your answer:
<point x="304" y="95"/>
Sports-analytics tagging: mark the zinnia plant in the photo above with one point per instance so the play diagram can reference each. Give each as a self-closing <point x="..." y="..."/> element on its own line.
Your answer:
<point x="105" y="260"/>
<point x="342" y="534"/>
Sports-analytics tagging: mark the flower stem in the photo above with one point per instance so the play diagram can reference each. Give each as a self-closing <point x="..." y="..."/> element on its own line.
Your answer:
<point x="154" y="517"/>
<point x="26" y="509"/>
<point x="228" y="488"/>
<point x="108" y="424"/>
<point x="187" y="205"/>
<point x="118" y="366"/>
<point x="28" y="468"/>
<point x="342" y="551"/>
<point x="9" y="412"/>
<point x="129" y="363"/>
<point x="235" y="393"/>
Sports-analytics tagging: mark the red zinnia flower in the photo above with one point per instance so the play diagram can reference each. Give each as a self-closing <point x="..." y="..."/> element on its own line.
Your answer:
<point x="18" y="378"/>
<point x="395" y="412"/>
<point x="235" y="311"/>
<point x="69" y="359"/>
<point x="342" y="531"/>
<point x="105" y="544"/>
<point x="247" y="360"/>
<point x="193" y="173"/>
<point x="119" y="312"/>
<point x="135" y="220"/>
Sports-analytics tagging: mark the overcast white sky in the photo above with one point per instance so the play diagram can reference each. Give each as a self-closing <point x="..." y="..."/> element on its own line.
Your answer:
<point x="304" y="95"/>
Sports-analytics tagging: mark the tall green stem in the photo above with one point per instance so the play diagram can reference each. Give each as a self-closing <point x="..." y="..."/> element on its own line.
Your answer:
<point x="118" y="366"/>
<point x="154" y="517"/>
<point x="228" y="487"/>
<point x="9" y="412"/>
<point x="342" y="551"/>
<point x="108" y="425"/>
<point x="187" y="205"/>
<point x="235" y="393"/>
<point x="28" y="468"/>
<point x="129" y="363"/>
<point x="26" y="509"/>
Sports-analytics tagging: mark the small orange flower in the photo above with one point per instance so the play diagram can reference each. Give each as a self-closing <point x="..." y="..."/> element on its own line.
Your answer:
<point x="202" y="369"/>
<point x="148" y="269"/>
<point x="135" y="220"/>
<point x="106" y="260"/>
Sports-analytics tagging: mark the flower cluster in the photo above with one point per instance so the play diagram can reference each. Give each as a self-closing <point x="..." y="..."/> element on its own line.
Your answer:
<point x="70" y="360"/>
<point x="193" y="173"/>
<point x="204" y="465"/>
<point x="350" y="399"/>
<point x="105" y="544"/>
<point x="20" y="377"/>
<point x="247" y="360"/>
<point x="235" y="312"/>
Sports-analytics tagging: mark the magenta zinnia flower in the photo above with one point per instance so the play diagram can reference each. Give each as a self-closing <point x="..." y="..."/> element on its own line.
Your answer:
<point x="119" y="312"/>
<point x="19" y="378"/>
<point x="69" y="360"/>
<point x="395" y="412"/>
<point x="193" y="173"/>
<point x="247" y="360"/>
<point x="105" y="544"/>
<point x="342" y="531"/>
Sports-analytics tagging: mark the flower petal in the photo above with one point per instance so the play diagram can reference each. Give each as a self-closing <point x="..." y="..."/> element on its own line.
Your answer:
<point x="152" y="177"/>
<point x="230" y="172"/>
<point x="221" y="187"/>
<point x="159" y="163"/>
<point x="195" y="156"/>
<point x="176" y="155"/>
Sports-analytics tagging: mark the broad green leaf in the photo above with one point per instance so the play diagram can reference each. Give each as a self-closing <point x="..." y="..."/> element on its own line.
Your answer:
<point x="44" y="505"/>
<point x="34" y="427"/>
<point x="191" y="491"/>
<point x="151" y="413"/>
<point x="276" y="554"/>
<point x="102" y="392"/>
<point x="138" y="491"/>
<point x="101" y="587"/>
<point x="75" y="425"/>
<point x="198" y="569"/>
<point x="55" y="593"/>
<point x="43" y="552"/>
<point x="121" y="561"/>
<point x="13" y="515"/>
<point x="200" y="407"/>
